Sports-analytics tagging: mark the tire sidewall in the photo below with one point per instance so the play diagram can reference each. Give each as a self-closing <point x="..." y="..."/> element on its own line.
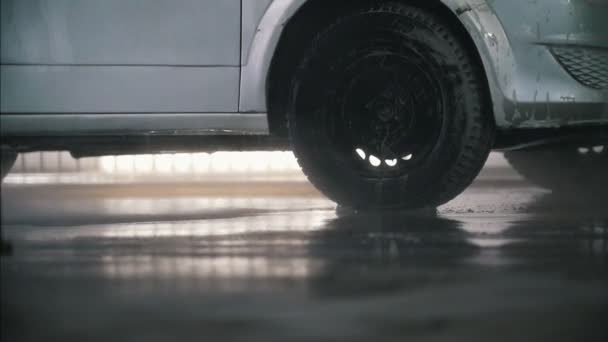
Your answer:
<point x="422" y="185"/>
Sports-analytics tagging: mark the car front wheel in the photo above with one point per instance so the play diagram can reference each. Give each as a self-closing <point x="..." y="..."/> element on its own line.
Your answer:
<point x="388" y="109"/>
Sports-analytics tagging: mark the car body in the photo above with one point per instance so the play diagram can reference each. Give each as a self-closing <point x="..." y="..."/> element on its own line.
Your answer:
<point x="77" y="74"/>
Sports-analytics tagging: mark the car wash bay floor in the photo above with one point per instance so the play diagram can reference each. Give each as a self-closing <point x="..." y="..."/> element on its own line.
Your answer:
<point x="272" y="260"/>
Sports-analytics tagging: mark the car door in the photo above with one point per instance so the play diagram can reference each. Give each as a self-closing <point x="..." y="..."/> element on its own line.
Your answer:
<point x="74" y="57"/>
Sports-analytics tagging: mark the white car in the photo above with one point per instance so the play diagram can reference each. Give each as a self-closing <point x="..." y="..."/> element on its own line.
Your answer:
<point x="387" y="104"/>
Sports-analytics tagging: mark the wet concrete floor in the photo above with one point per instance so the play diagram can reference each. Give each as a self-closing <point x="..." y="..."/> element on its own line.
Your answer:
<point x="272" y="260"/>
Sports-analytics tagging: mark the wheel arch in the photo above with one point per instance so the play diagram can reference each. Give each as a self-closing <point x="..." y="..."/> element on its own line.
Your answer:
<point x="278" y="43"/>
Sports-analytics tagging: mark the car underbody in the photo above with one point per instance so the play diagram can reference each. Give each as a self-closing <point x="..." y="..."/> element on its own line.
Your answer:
<point x="89" y="146"/>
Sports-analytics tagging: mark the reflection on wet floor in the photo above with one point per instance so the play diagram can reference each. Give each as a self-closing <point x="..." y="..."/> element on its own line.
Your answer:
<point x="272" y="260"/>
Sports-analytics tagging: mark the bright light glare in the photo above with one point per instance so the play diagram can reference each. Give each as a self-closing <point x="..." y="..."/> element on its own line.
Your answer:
<point x="218" y="162"/>
<point x="391" y="162"/>
<point x="144" y="163"/>
<point x="374" y="161"/>
<point x="361" y="153"/>
<point x="163" y="163"/>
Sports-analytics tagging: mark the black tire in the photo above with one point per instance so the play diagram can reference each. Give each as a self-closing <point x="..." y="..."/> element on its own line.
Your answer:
<point x="431" y="98"/>
<point x="6" y="163"/>
<point x="579" y="170"/>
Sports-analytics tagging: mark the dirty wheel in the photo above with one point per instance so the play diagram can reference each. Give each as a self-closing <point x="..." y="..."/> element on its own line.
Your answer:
<point x="387" y="110"/>
<point x="576" y="170"/>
